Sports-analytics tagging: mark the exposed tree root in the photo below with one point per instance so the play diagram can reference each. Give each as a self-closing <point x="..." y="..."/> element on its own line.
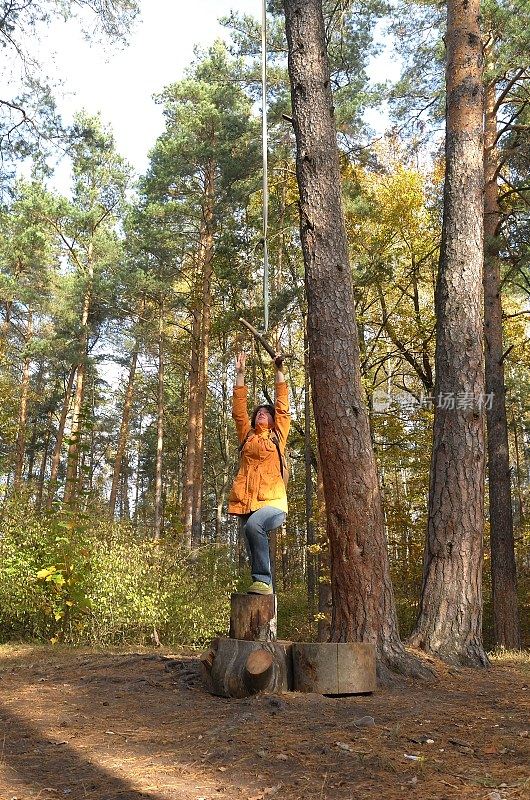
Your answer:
<point x="395" y="663"/>
<point x="473" y="655"/>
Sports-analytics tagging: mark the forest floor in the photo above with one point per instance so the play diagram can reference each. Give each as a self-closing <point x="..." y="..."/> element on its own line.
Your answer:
<point x="127" y="725"/>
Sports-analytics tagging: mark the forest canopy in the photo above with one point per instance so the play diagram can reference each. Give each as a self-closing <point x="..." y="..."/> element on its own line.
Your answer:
<point x="119" y="309"/>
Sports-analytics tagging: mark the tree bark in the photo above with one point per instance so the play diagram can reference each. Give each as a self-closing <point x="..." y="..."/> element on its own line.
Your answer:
<point x="32" y="449"/>
<point x="42" y="469"/>
<point x="334" y="668"/>
<point x="521" y="510"/>
<point x="138" y="476"/>
<point x="56" y="457"/>
<point x="506" y="629"/>
<point x="229" y="674"/>
<point x="206" y="262"/>
<point x="308" y="464"/>
<point x="71" y="483"/>
<point x="363" y="602"/>
<point x="124" y="430"/>
<point x="70" y="489"/>
<point x="450" y="617"/>
<point x="158" y="523"/>
<point x="32" y="446"/>
<point x="253" y="617"/>
<point x="189" y="465"/>
<point x="23" y="411"/>
<point x="325" y="599"/>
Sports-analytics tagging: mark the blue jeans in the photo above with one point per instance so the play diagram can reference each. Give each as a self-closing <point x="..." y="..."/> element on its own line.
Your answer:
<point x="256" y="527"/>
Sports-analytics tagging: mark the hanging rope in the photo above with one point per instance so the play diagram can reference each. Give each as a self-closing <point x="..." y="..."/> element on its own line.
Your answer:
<point x="265" y="165"/>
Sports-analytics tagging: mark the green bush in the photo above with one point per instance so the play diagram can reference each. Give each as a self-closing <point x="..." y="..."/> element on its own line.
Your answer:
<point x="63" y="578"/>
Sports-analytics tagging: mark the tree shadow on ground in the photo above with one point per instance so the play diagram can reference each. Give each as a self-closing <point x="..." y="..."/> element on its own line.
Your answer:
<point x="47" y="766"/>
<point x="116" y="726"/>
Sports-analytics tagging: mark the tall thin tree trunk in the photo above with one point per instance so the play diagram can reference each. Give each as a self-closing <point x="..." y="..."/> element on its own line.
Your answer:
<point x="42" y="469"/>
<point x="450" y="618"/>
<point x="31" y="448"/>
<point x="224" y="447"/>
<point x="124" y="430"/>
<point x="308" y="464"/>
<point x="363" y="601"/>
<point x="56" y="457"/>
<point x="206" y="261"/>
<point x="138" y="472"/>
<point x="23" y="411"/>
<point x="520" y="504"/>
<point x="159" y="430"/>
<point x="189" y="464"/>
<point x="72" y="463"/>
<point x="125" y="509"/>
<point x="506" y="627"/>
<point x="325" y="599"/>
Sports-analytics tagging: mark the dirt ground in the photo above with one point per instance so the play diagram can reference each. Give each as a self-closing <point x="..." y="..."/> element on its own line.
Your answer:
<point x="127" y="725"/>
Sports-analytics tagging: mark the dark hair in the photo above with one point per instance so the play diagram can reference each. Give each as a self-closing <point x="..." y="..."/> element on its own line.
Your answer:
<point x="267" y="407"/>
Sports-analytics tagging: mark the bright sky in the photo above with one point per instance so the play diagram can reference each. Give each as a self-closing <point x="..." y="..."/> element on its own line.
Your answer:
<point x="120" y="82"/>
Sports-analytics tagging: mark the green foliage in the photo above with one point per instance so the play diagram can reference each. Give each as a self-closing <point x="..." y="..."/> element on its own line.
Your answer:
<point x="293" y="614"/>
<point x="29" y="122"/>
<point x="62" y="578"/>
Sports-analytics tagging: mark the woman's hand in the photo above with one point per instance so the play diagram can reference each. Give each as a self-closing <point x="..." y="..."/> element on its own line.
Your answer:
<point x="278" y="363"/>
<point x="241" y="360"/>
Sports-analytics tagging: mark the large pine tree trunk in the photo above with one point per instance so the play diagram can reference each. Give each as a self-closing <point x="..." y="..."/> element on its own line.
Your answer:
<point x="124" y="430"/>
<point x="363" y="602"/>
<point x="450" y="618"/>
<point x="503" y="570"/>
<point x="159" y="431"/>
<point x="23" y="411"/>
<point x="56" y="456"/>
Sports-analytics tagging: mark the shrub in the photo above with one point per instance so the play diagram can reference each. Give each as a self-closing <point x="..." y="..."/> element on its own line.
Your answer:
<point x="65" y="578"/>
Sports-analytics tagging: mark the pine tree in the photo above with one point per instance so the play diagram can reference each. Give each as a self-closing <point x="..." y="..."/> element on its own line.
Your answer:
<point x="363" y="602"/>
<point x="198" y="174"/>
<point x="450" y="620"/>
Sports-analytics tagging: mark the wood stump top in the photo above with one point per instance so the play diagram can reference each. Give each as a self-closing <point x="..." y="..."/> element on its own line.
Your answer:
<point x="253" y="617"/>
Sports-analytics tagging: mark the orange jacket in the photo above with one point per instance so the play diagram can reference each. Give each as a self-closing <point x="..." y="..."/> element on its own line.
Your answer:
<point x="259" y="480"/>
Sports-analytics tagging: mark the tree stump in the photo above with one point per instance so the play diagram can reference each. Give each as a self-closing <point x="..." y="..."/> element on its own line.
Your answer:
<point x="240" y="667"/>
<point x="334" y="667"/>
<point x="253" y="617"/>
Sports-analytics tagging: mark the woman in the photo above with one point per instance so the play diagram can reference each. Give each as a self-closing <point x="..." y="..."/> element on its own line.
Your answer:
<point x="258" y="495"/>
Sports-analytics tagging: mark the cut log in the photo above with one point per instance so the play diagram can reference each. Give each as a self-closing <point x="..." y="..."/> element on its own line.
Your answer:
<point x="253" y="617"/>
<point x="334" y="667"/>
<point x="241" y="668"/>
<point x="208" y="656"/>
<point x="258" y="669"/>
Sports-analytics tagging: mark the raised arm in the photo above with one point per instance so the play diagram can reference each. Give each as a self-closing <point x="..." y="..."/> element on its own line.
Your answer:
<point x="282" y="415"/>
<point x="239" y="400"/>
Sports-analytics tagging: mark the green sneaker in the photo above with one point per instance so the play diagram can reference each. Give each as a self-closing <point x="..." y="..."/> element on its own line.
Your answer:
<point x="259" y="587"/>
